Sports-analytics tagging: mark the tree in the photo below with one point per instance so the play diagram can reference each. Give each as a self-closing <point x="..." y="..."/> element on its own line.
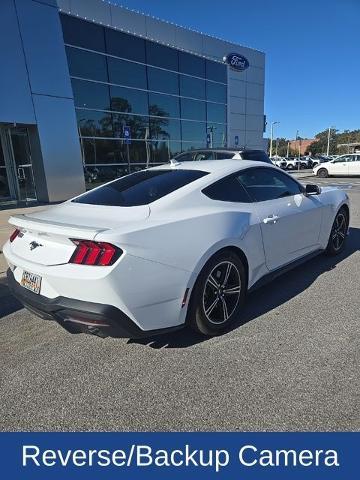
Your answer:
<point x="320" y="145"/>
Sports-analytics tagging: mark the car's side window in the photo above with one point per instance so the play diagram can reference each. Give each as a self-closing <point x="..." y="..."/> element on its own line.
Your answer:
<point x="228" y="189"/>
<point x="343" y="159"/>
<point x="224" y="155"/>
<point x="264" y="184"/>
<point x="198" y="156"/>
<point x="185" y="157"/>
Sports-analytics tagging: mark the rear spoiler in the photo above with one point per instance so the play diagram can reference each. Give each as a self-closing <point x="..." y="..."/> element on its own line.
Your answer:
<point x="64" y="229"/>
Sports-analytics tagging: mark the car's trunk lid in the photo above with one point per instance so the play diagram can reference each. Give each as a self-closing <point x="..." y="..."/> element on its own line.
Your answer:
<point x="45" y="236"/>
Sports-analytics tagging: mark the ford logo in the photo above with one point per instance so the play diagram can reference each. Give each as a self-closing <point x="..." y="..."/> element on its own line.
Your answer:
<point x="236" y="61"/>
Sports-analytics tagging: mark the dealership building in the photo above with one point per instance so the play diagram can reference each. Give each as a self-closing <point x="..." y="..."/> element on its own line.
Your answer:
<point x="90" y="90"/>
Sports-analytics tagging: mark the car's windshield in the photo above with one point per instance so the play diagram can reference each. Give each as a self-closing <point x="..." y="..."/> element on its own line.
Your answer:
<point x="140" y="188"/>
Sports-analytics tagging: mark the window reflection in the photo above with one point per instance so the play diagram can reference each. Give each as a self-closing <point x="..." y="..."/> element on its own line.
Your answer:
<point x="161" y="56"/>
<point x="218" y="134"/>
<point x="86" y="64"/>
<point x="169" y="109"/>
<point x="193" y="109"/>
<point x="192" y="145"/>
<point x="216" y="112"/>
<point x="99" y="174"/>
<point x="162" y="81"/>
<point x="91" y="94"/>
<point x="193" y="131"/>
<point x="216" y="92"/>
<point x="94" y="124"/>
<point x="125" y="45"/>
<point x="163" y="105"/>
<point x="129" y="100"/>
<point x="136" y="123"/>
<point x="191" y="64"/>
<point x="127" y="73"/>
<point x="216" y="71"/>
<point x="82" y="33"/>
<point x="192" y="87"/>
<point x="164" y="128"/>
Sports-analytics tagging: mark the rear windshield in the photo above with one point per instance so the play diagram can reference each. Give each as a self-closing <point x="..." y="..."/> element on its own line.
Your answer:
<point x="257" y="155"/>
<point x="140" y="188"/>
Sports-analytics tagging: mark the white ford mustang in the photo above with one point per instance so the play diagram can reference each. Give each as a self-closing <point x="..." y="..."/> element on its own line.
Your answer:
<point x="176" y="244"/>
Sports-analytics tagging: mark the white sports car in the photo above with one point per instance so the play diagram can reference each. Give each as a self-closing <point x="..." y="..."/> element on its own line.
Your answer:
<point x="173" y="245"/>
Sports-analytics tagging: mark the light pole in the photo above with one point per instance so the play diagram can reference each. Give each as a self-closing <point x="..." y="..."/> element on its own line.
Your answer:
<point x="328" y="144"/>
<point x="328" y="141"/>
<point x="272" y="135"/>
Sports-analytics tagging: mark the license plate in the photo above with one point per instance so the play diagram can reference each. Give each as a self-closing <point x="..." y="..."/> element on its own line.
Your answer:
<point x="31" y="281"/>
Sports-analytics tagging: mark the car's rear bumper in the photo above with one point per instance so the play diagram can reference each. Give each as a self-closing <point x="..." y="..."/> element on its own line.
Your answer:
<point x="78" y="316"/>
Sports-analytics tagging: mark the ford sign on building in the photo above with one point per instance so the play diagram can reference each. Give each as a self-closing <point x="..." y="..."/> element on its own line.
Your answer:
<point x="237" y="62"/>
<point x="90" y="91"/>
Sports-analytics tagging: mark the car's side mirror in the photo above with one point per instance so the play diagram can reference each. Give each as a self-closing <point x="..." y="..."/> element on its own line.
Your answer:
<point x="311" y="189"/>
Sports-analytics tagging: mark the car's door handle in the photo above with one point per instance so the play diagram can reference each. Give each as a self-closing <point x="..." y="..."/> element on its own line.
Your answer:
<point x="271" y="219"/>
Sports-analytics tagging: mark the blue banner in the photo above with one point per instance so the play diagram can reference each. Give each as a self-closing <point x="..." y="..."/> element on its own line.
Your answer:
<point x="182" y="456"/>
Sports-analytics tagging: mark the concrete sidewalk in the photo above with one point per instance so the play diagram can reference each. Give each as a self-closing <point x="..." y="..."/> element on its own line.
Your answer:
<point x="6" y="229"/>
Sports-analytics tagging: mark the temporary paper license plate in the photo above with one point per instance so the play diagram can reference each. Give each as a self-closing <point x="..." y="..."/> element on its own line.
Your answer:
<point x="31" y="281"/>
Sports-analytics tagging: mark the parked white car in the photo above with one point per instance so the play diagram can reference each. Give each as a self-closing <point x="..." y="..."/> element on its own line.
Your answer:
<point x="292" y="163"/>
<point x="344" y="165"/>
<point x="279" y="162"/>
<point x="173" y="245"/>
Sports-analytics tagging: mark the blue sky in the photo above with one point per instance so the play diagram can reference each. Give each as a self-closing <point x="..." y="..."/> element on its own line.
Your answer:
<point x="312" y="53"/>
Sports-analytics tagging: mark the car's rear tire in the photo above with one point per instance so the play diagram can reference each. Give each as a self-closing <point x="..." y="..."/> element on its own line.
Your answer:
<point x="322" y="173"/>
<point x="338" y="234"/>
<point x="218" y="294"/>
<point x="290" y="167"/>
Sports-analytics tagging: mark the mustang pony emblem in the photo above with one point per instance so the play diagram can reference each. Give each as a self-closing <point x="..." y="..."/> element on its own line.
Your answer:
<point x="34" y="245"/>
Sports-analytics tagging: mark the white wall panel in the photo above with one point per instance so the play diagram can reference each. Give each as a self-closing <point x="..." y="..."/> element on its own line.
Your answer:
<point x="237" y="105"/>
<point x="128" y="21"/>
<point x="241" y="134"/>
<point x="44" y="49"/>
<point x="255" y="91"/>
<point x="254" y="107"/>
<point x="60" y="147"/>
<point x="255" y="75"/>
<point x="237" y="88"/>
<point x="15" y="95"/>
<point x="92" y="10"/>
<point x="254" y="139"/>
<point x="160" y="31"/>
<point x="64" y="5"/>
<point x="189" y="40"/>
<point x="254" y="122"/>
<point x="237" y="121"/>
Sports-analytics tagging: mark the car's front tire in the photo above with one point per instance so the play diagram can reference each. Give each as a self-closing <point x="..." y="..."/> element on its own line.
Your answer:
<point x="218" y="294"/>
<point x="322" y="173"/>
<point x="338" y="234"/>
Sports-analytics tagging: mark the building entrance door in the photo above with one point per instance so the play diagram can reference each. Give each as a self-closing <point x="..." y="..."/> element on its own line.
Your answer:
<point x="16" y="172"/>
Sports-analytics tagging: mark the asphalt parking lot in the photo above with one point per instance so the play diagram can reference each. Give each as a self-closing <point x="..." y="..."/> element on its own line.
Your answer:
<point x="292" y="364"/>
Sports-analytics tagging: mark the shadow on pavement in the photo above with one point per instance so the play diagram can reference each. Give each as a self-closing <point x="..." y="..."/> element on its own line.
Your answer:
<point x="8" y="304"/>
<point x="267" y="298"/>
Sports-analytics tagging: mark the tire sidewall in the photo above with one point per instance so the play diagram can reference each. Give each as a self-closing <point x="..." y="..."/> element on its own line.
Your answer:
<point x="322" y="175"/>
<point x="196" y="314"/>
<point x="330" y="249"/>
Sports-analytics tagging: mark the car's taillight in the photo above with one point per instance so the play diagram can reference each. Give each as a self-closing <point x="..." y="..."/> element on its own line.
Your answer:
<point x="14" y="234"/>
<point x="101" y="254"/>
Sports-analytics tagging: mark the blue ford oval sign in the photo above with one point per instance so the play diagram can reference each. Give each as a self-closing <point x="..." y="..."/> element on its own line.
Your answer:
<point x="236" y="61"/>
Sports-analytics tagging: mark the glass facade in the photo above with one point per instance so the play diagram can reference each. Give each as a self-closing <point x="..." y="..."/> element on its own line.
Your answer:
<point x="168" y="100"/>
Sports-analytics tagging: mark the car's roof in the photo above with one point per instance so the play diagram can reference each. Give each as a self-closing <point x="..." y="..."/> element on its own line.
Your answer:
<point x="214" y="166"/>
<point x="220" y="149"/>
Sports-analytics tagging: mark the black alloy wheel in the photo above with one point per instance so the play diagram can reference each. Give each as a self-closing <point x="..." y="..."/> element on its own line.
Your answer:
<point x="218" y="294"/>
